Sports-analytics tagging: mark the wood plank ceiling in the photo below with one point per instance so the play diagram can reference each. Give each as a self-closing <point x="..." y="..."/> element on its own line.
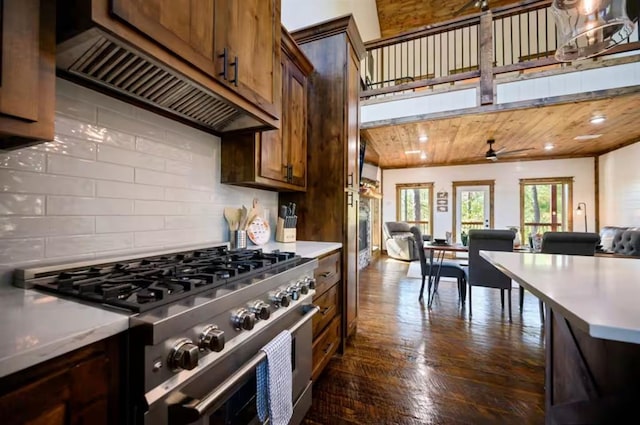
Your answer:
<point x="462" y="140"/>
<point x="398" y="16"/>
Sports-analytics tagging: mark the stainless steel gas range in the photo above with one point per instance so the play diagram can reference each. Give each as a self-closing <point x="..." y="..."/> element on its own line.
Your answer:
<point x="198" y="319"/>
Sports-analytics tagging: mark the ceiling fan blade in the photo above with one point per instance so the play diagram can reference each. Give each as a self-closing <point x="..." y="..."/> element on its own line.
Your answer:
<point x="475" y="3"/>
<point x="514" y="151"/>
<point x="500" y="151"/>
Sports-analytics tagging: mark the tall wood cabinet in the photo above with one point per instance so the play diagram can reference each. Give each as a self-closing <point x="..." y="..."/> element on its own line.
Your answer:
<point x="275" y="159"/>
<point x="328" y="211"/>
<point x="27" y="72"/>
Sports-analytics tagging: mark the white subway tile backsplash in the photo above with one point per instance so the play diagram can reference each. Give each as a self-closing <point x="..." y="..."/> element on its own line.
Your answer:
<point x="134" y="159"/>
<point x="25" y="159"/>
<point x="161" y="179"/>
<point x="58" y="164"/>
<point x="23" y="182"/>
<point x="67" y="205"/>
<point x="161" y="149"/>
<point x="19" y="250"/>
<point x="45" y="226"/>
<point x="107" y="189"/>
<point x="171" y="194"/>
<point x="116" y="179"/>
<point x="111" y="119"/>
<point x="76" y="108"/>
<point x="20" y="204"/>
<point x="63" y="246"/>
<point x="68" y="145"/>
<point x="128" y="223"/>
<point x="160" y="208"/>
<point x="91" y="132"/>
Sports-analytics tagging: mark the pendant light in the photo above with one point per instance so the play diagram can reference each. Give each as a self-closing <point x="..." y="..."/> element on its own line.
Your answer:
<point x="587" y="28"/>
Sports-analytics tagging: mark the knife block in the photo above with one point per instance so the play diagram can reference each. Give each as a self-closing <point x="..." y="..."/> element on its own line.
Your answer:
<point x="285" y="234"/>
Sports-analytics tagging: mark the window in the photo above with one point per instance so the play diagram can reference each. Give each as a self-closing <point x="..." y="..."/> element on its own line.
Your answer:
<point x="414" y="204"/>
<point x="544" y="206"/>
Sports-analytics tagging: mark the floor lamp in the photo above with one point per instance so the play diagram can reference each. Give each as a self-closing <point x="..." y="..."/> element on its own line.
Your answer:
<point x="582" y="210"/>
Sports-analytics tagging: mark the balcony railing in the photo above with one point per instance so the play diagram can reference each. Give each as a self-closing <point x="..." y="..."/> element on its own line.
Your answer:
<point x="506" y="39"/>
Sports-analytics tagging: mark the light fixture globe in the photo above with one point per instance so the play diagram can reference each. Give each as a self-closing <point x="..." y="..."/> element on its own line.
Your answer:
<point x="587" y="28"/>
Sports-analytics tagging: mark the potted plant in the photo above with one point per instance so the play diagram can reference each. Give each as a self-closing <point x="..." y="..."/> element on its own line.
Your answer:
<point x="464" y="237"/>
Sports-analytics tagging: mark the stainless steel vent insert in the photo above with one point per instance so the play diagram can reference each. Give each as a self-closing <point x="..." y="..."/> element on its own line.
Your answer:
<point x="120" y="68"/>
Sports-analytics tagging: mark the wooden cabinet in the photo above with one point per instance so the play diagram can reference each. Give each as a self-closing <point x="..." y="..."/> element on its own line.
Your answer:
<point x="328" y="211"/>
<point x="238" y="43"/>
<point x="80" y="387"/>
<point x="275" y="159"/>
<point x="327" y="323"/>
<point x="27" y="72"/>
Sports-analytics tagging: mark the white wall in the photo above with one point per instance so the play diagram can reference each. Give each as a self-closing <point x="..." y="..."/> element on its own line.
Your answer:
<point x="302" y="13"/>
<point x="117" y="179"/>
<point x="507" y="187"/>
<point x="620" y="187"/>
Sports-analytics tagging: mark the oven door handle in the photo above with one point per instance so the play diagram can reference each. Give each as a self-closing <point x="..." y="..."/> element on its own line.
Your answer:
<point x="194" y="409"/>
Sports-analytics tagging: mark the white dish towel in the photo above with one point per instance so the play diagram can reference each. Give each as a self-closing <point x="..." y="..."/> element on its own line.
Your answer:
<point x="274" y="381"/>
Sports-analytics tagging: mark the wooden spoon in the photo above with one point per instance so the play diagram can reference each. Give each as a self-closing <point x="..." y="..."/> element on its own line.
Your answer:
<point x="230" y="215"/>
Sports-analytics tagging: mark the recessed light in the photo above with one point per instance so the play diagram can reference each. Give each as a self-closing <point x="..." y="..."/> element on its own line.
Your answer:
<point x="548" y="146"/>
<point x="587" y="137"/>
<point x="423" y="156"/>
<point x="598" y="119"/>
<point x="412" y="152"/>
<point x="423" y="139"/>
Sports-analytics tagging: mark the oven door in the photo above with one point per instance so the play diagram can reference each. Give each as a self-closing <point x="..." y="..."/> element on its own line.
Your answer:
<point x="226" y="392"/>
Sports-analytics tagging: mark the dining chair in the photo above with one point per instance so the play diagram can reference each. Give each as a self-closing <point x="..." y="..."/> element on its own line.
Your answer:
<point x="441" y="269"/>
<point x="481" y="273"/>
<point x="566" y="243"/>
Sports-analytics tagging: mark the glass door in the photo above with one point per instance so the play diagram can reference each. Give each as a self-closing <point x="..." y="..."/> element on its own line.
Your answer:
<point x="473" y="207"/>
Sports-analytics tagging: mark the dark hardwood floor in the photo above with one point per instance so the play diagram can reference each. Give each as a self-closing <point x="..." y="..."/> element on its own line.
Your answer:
<point x="409" y="365"/>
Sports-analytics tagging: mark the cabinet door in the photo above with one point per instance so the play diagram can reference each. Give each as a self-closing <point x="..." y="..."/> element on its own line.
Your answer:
<point x="295" y="114"/>
<point x="249" y="30"/>
<point x="351" y="262"/>
<point x="273" y="163"/>
<point x="353" y="124"/>
<point x="183" y="26"/>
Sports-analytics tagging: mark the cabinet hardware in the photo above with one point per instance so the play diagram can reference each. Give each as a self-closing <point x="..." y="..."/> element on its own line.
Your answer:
<point x="328" y="348"/>
<point x="225" y="61"/>
<point x="350" y="197"/>
<point x="235" y="66"/>
<point x="350" y="180"/>
<point x="327" y="274"/>
<point x="289" y="173"/>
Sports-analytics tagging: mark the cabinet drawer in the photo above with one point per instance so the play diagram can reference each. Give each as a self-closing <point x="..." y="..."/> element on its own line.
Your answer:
<point x="328" y="303"/>
<point x="325" y="346"/>
<point x="328" y="272"/>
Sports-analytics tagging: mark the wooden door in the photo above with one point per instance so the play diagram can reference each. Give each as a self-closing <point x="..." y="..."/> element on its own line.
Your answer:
<point x="352" y="122"/>
<point x="351" y="262"/>
<point x="296" y="123"/>
<point x="183" y="26"/>
<point x="249" y="30"/>
<point x="273" y="162"/>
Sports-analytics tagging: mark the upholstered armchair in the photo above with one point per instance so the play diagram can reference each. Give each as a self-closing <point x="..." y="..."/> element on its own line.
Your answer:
<point x="399" y="241"/>
<point x="481" y="272"/>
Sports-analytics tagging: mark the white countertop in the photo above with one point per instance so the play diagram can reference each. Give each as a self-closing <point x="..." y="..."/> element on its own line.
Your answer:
<point x="307" y="249"/>
<point x="599" y="295"/>
<point x="35" y="327"/>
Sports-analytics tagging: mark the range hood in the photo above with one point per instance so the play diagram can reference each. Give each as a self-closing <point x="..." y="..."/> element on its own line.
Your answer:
<point x="106" y="63"/>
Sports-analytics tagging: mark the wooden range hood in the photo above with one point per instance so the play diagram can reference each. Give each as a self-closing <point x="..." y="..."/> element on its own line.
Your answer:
<point x="96" y="50"/>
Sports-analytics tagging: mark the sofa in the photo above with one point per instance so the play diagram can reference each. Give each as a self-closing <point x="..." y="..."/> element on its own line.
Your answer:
<point x="620" y="240"/>
<point x="399" y="242"/>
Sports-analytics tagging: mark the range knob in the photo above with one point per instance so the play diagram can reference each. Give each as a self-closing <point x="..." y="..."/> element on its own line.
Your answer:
<point x="184" y="355"/>
<point x="281" y="299"/>
<point x="294" y="292"/>
<point x="311" y="282"/>
<point x="212" y="339"/>
<point x="303" y="287"/>
<point x="261" y="310"/>
<point x="243" y="319"/>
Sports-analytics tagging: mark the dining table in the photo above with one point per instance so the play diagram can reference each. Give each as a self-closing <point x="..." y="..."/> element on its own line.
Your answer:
<point x="437" y="252"/>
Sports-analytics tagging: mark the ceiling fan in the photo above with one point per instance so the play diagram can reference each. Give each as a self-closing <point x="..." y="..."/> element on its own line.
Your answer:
<point x="478" y="4"/>
<point x="494" y="155"/>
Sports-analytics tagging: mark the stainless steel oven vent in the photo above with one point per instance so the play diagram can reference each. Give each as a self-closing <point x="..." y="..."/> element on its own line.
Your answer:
<point x="113" y="65"/>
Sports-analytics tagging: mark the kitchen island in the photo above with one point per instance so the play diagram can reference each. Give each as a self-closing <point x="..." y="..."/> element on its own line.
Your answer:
<point x="592" y="332"/>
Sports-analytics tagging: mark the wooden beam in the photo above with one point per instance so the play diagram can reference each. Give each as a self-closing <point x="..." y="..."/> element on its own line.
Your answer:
<point x="486" y="58"/>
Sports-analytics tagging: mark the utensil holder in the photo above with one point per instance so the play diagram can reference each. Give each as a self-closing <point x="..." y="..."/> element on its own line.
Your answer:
<point x="285" y="234"/>
<point x="238" y="239"/>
